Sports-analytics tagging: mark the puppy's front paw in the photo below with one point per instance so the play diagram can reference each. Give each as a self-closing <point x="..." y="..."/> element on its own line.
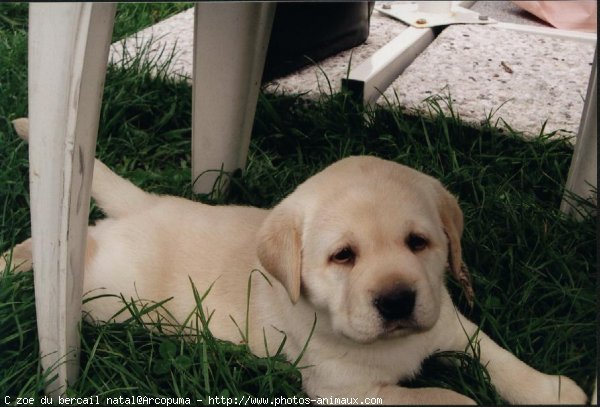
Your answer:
<point x="546" y="389"/>
<point x="566" y="391"/>
<point x="395" y="395"/>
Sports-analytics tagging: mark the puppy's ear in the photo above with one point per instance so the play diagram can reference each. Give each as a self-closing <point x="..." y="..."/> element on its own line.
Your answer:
<point x="452" y="220"/>
<point x="280" y="247"/>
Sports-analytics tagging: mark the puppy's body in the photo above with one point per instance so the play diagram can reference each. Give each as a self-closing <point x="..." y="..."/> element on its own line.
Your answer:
<point x="362" y="247"/>
<point x="163" y="237"/>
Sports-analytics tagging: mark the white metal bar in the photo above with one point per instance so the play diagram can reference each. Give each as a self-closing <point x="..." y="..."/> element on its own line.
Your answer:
<point x="584" y="164"/>
<point x="434" y="6"/>
<point x="550" y="32"/>
<point x="369" y="80"/>
<point x="429" y="14"/>
<point x="68" y="51"/>
<point x="230" y="47"/>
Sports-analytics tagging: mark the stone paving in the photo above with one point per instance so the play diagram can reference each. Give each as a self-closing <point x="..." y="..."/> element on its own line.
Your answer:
<point x="525" y="79"/>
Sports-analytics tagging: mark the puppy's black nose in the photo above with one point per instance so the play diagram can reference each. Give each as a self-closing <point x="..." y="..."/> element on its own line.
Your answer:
<point x="395" y="305"/>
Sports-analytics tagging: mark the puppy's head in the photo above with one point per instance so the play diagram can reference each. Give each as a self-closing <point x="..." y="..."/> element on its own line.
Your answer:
<point x="366" y="242"/>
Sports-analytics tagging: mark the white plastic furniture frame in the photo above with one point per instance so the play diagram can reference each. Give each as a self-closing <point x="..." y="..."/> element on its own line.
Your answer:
<point x="68" y="53"/>
<point x="371" y="77"/>
<point x="583" y="173"/>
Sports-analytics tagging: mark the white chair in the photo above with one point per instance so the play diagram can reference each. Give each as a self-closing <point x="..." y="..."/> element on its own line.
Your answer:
<point x="68" y="53"/>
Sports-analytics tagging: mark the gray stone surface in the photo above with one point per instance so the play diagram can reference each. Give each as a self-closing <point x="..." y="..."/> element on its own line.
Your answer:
<point x="173" y="39"/>
<point x="526" y="79"/>
<point x="507" y="12"/>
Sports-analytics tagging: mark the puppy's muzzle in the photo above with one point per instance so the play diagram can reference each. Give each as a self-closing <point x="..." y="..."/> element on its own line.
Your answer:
<point x="396" y="305"/>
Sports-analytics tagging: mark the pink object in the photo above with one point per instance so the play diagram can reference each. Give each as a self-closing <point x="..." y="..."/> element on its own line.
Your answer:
<point x="579" y="15"/>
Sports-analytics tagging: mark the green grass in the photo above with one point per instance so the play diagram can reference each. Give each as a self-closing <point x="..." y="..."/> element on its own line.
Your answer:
<point x="533" y="268"/>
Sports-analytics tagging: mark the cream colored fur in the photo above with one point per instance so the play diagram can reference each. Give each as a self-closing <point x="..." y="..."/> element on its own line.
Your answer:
<point x="149" y="246"/>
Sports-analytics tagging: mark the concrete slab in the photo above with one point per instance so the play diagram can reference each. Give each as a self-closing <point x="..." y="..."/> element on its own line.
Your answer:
<point x="529" y="79"/>
<point x="526" y="78"/>
<point x="173" y="38"/>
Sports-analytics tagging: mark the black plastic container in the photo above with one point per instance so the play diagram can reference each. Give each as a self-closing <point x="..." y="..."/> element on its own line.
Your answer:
<point x="312" y="31"/>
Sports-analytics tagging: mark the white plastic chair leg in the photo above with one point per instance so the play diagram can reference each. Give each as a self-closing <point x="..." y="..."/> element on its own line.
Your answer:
<point x="68" y="52"/>
<point x="230" y="46"/>
<point x="583" y="171"/>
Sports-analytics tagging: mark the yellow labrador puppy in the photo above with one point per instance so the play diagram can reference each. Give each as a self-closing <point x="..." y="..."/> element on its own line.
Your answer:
<point x="362" y="246"/>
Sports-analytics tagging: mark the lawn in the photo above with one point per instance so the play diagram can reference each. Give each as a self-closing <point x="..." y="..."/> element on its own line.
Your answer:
<point x="534" y="269"/>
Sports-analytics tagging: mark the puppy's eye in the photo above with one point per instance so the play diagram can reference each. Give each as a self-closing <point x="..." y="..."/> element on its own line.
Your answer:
<point x="416" y="242"/>
<point x="343" y="256"/>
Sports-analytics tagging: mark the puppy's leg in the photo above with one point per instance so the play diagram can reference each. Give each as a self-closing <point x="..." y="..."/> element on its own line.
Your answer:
<point x="515" y="381"/>
<point x="390" y="394"/>
<point x="20" y="258"/>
